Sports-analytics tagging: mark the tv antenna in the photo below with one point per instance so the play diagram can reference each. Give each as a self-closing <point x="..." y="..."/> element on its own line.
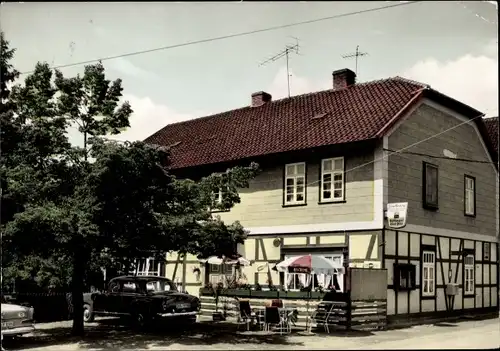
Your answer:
<point x="289" y="49"/>
<point x="355" y="55"/>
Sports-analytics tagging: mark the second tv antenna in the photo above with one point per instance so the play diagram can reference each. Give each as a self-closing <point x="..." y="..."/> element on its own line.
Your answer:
<point x="355" y="55"/>
<point x="289" y="49"/>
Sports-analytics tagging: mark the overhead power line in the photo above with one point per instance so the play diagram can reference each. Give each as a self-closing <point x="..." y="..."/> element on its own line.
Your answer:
<point x="241" y="34"/>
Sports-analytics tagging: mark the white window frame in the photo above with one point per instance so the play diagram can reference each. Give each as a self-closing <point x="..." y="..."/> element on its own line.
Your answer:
<point x="332" y="172"/>
<point x="220" y="273"/>
<point x="470" y="195"/>
<point x="428" y="273"/>
<point x="430" y="185"/>
<point x="296" y="276"/>
<point x="144" y="267"/>
<point x="294" y="178"/>
<point x="217" y="196"/>
<point x="469" y="276"/>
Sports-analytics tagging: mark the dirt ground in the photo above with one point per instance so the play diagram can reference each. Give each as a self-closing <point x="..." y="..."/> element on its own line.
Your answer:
<point x="108" y="334"/>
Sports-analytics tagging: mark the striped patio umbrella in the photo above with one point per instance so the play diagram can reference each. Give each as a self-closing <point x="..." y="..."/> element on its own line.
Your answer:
<point x="309" y="264"/>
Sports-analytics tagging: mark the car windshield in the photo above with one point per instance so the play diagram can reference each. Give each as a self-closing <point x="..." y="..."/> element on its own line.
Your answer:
<point x="160" y="285"/>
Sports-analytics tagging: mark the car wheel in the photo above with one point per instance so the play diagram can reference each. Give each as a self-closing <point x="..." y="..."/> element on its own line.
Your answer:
<point x="88" y="314"/>
<point x="141" y="320"/>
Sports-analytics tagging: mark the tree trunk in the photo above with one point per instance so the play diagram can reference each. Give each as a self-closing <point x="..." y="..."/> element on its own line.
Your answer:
<point x="85" y="146"/>
<point x="77" y="291"/>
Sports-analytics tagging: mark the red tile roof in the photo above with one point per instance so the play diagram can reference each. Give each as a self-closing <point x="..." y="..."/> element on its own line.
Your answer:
<point x="492" y="127"/>
<point x="359" y="112"/>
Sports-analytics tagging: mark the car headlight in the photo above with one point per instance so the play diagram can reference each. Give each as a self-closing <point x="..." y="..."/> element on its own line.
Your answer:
<point x="21" y="314"/>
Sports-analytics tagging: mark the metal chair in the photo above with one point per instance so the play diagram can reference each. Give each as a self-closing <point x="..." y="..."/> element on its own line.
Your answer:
<point x="246" y="315"/>
<point x="322" y="315"/>
<point x="273" y="317"/>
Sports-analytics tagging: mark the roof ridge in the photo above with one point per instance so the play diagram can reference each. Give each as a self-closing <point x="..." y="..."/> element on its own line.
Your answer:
<point x="292" y="98"/>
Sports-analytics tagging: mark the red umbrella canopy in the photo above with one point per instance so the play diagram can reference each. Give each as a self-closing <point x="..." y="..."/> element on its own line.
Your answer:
<point x="308" y="264"/>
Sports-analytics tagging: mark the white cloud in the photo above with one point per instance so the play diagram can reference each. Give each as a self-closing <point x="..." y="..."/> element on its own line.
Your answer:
<point x="149" y="117"/>
<point x="469" y="79"/>
<point x="298" y="85"/>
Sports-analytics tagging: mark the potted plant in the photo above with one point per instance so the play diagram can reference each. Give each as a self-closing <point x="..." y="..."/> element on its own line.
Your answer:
<point x="207" y="290"/>
<point x="318" y="292"/>
<point x="272" y="293"/>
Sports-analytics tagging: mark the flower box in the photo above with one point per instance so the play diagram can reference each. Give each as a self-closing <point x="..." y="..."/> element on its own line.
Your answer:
<point x="269" y="294"/>
<point x="206" y="292"/>
<point x="236" y="292"/>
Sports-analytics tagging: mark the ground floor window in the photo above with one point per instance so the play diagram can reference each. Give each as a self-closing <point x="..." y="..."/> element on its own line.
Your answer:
<point x="428" y="273"/>
<point x="469" y="274"/>
<point x="297" y="281"/>
<point x="147" y="266"/>
<point x="222" y="273"/>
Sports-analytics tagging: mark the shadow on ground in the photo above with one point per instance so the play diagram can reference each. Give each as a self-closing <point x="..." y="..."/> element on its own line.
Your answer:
<point x="115" y="334"/>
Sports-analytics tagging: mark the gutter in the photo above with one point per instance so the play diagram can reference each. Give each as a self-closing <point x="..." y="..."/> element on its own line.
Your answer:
<point x="418" y="93"/>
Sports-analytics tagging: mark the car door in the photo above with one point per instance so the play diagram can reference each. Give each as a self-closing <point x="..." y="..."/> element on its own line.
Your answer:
<point x="113" y="297"/>
<point x="130" y="294"/>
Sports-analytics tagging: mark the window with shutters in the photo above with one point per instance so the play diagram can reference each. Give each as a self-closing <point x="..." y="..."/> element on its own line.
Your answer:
<point x="469" y="274"/>
<point x="470" y="196"/>
<point x="295" y="184"/>
<point x="428" y="273"/>
<point x="332" y="180"/>
<point x="430" y="186"/>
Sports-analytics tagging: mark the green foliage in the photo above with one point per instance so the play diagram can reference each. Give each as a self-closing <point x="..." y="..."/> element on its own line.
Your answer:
<point x="68" y="216"/>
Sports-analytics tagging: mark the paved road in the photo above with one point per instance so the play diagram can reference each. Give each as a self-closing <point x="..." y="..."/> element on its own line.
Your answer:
<point x="469" y="334"/>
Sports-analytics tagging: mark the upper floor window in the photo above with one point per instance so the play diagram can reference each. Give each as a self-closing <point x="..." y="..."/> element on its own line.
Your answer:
<point x="217" y="196"/>
<point x="332" y="180"/>
<point x="295" y="179"/>
<point x="430" y="186"/>
<point x="469" y="195"/>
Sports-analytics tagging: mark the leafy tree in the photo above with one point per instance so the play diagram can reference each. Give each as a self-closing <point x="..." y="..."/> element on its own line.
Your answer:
<point x="122" y="206"/>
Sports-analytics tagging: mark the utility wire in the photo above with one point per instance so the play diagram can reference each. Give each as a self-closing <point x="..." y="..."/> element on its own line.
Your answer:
<point x="438" y="157"/>
<point x="241" y="34"/>
<point x="400" y="151"/>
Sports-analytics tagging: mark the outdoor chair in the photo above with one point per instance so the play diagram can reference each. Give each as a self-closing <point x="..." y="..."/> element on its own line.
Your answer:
<point x="272" y="317"/>
<point x="322" y="315"/>
<point x="246" y="315"/>
<point x="277" y="303"/>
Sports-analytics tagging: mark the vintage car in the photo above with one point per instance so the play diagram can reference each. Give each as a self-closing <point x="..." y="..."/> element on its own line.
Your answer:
<point x="143" y="298"/>
<point x="16" y="320"/>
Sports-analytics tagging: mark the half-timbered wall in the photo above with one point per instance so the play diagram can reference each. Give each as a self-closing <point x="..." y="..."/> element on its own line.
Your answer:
<point x="266" y="250"/>
<point x="407" y="247"/>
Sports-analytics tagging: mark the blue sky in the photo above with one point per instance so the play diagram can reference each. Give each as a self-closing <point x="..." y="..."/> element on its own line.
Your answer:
<point x="453" y="46"/>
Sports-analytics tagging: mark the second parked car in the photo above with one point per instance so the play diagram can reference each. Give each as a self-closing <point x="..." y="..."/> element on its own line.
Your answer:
<point x="142" y="297"/>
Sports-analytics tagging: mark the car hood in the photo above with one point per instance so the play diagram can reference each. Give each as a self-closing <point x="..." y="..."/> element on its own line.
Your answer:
<point x="11" y="308"/>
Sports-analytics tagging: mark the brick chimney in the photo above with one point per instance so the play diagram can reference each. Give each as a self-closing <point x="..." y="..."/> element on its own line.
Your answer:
<point x="343" y="78"/>
<point x="260" y="98"/>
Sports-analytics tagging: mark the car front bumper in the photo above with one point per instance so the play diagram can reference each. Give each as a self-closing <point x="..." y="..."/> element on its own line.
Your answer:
<point x="19" y="330"/>
<point x="182" y="314"/>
